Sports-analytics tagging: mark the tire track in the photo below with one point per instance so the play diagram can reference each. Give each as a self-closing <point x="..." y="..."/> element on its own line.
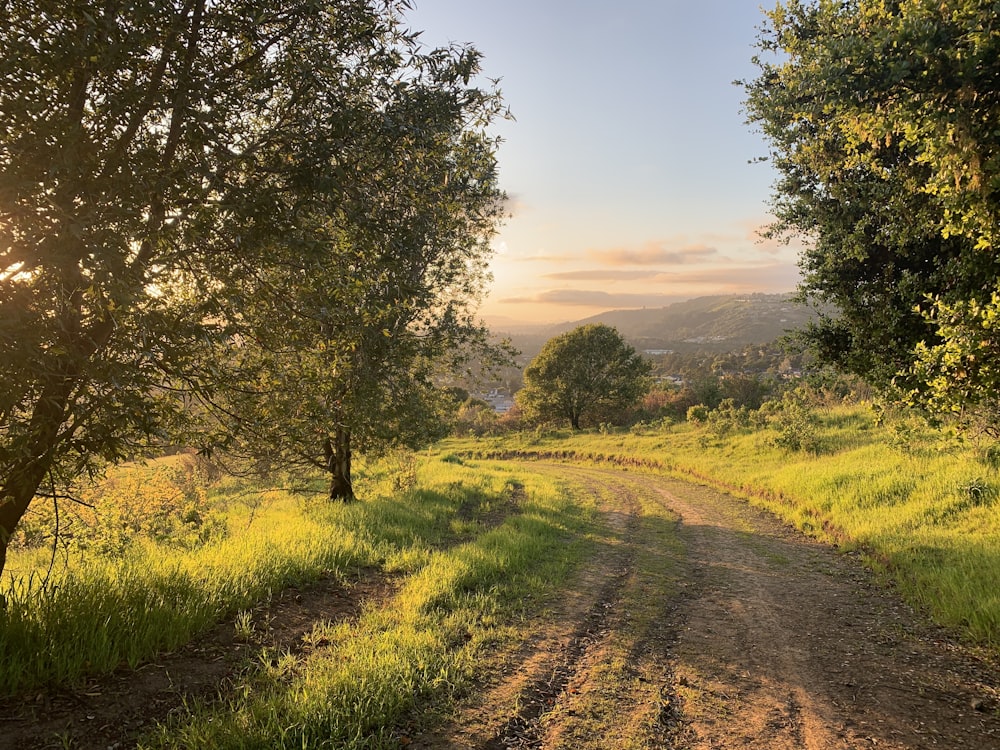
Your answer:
<point x="769" y="640"/>
<point x="513" y="710"/>
<point x="788" y="644"/>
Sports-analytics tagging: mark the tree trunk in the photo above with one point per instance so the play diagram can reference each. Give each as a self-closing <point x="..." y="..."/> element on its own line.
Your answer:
<point x="338" y="461"/>
<point x="22" y="477"/>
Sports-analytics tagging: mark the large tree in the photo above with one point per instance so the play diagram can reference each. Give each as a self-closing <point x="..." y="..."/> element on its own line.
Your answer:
<point x="370" y="322"/>
<point x="163" y="164"/>
<point x="590" y="372"/>
<point x="882" y="122"/>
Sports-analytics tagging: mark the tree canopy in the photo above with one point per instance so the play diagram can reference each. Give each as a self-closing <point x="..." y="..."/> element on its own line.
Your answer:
<point x="588" y="373"/>
<point x="372" y="319"/>
<point x="184" y="183"/>
<point x="882" y="124"/>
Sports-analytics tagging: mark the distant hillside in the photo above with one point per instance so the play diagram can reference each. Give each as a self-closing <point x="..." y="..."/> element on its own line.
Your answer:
<point x="718" y="324"/>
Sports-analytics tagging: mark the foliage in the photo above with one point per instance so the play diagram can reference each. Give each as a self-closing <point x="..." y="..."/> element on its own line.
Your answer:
<point x="663" y="402"/>
<point x="475" y="417"/>
<point x="386" y="299"/>
<point x="170" y="171"/>
<point x="795" y="421"/>
<point x="588" y="373"/>
<point x="961" y="374"/>
<point x="727" y="417"/>
<point x="880" y="117"/>
<point x="698" y="413"/>
<point x="165" y="501"/>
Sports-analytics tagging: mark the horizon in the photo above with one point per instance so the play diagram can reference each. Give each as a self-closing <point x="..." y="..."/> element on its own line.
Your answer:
<point x="528" y="326"/>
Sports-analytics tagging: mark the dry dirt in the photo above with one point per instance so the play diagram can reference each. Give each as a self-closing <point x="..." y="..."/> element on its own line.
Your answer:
<point x="759" y="638"/>
<point x="771" y="640"/>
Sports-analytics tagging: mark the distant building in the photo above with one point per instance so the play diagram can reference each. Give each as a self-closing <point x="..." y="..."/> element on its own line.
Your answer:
<point x="501" y="402"/>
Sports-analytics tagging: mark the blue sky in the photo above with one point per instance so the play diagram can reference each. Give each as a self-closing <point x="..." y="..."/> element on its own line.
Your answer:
<point x="628" y="164"/>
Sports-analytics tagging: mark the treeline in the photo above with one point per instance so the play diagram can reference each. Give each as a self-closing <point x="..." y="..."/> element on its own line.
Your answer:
<point x="673" y="388"/>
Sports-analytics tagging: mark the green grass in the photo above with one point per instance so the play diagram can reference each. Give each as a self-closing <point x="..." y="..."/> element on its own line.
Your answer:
<point x="369" y="681"/>
<point x="97" y="611"/>
<point x="476" y="548"/>
<point x="923" y="507"/>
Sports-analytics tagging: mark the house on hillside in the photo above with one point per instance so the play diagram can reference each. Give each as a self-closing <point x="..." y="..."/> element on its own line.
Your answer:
<point x="501" y="402"/>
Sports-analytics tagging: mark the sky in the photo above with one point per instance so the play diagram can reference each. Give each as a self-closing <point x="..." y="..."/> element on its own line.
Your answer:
<point x="629" y="166"/>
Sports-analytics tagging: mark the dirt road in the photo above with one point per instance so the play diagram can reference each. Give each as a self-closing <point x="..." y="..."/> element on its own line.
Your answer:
<point x="748" y="635"/>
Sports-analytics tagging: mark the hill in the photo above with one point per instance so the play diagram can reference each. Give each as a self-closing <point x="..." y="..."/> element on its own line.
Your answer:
<point x="718" y="323"/>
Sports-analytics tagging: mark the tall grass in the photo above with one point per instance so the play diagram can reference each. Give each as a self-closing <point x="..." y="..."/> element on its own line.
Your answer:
<point x="98" y="612"/>
<point x="923" y="507"/>
<point x="365" y="684"/>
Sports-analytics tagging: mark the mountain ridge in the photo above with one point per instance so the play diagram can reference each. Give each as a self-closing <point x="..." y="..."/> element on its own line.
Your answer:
<point x="719" y="323"/>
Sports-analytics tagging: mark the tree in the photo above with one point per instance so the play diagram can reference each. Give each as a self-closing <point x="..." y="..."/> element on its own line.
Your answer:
<point x="164" y="166"/>
<point x="960" y="376"/>
<point x="590" y="372"/>
<point x="386" y="305"/>
<point x="881" y="119"/>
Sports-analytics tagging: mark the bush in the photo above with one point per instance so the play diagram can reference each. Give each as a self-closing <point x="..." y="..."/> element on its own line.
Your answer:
<point x="698" y="414"/>
<point x="164" y="500"/>
<point x="795" y="422"/>
<point x="727" y="418"/>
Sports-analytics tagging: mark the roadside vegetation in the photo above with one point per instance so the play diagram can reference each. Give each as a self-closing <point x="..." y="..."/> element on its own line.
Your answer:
<point x="248" y="244"/>
<point x="474" y="545"/>
<point x="465" y="543"/>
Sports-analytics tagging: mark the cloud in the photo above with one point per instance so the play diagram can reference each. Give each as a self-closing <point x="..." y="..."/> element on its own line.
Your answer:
<point x="602" y="275"/>
<point x="667" y="288"/>
<point x="544" y="258"/>
<point x="595" y="298"/>
<point x="774" y="277"/>
<point x="740" y="278"/>
<point x="653" y="253"/>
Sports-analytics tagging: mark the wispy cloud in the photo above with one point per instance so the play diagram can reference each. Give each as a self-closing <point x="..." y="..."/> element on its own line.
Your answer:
<point x="653" y="253"/>
<point x="544" y="258"/>
<point x="671" y="287"/>
<point x="595" y="298"/>
<point x="775" y="277"/>
<point x="741" y="277"/>
<point x="602" y="275"/>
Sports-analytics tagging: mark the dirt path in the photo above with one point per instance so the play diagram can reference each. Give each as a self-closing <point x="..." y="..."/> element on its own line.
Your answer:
<point x="762" y="639"/>
<point x="787" y="644"/>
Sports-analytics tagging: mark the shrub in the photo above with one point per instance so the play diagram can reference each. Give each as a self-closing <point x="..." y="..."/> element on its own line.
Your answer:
<point x="795" y="422"/>
<point x="698" y="414"/>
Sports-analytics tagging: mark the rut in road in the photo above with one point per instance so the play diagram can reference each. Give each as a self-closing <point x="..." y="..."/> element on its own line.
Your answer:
<point x="576" y="671"/>
<point x="761" y="638"/>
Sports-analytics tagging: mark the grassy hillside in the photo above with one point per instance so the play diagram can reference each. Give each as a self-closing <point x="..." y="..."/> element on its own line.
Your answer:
<point x="474" y="544"/>
<point x="462" y="542"/>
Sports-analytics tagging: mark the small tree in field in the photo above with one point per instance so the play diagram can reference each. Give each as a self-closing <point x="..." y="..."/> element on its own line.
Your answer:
<point x="590" y="371"/>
